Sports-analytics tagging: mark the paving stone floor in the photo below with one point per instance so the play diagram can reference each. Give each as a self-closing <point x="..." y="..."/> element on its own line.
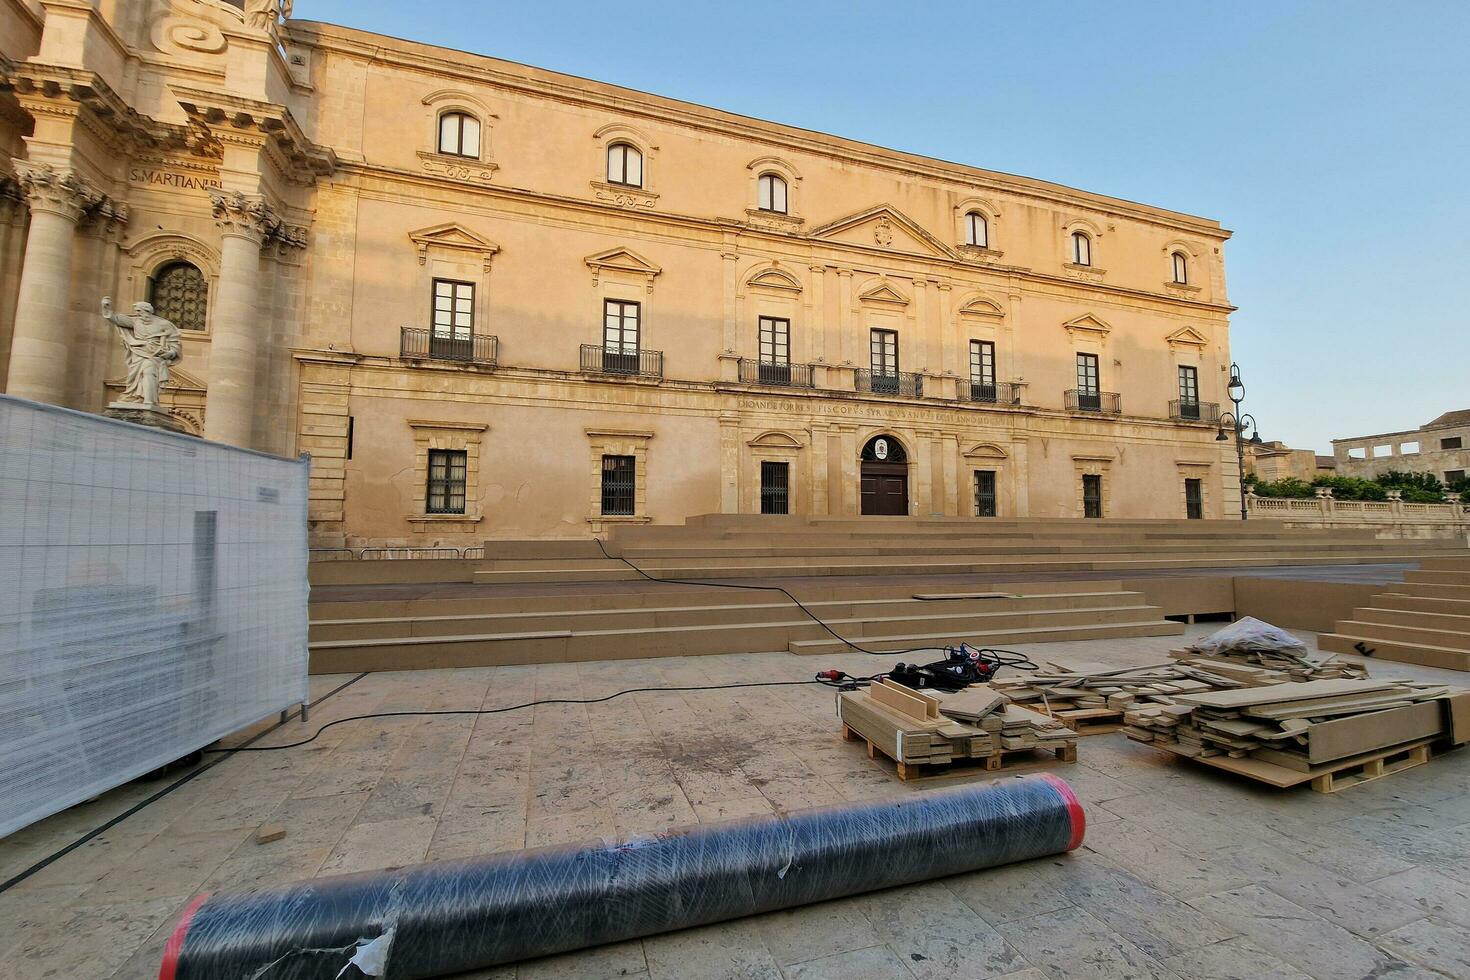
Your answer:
<point x="1185" y="872"/>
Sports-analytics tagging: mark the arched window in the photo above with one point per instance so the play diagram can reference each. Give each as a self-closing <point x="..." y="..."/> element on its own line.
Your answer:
<point x="772" y="193"/>
<point x="977" y="231"/>
<point x="1181" y="267"/>
<point x="624" y="165"/>
<point x="1081" y="249"/>
<point x="179" y="292"/>
<point x="459" y="134"/>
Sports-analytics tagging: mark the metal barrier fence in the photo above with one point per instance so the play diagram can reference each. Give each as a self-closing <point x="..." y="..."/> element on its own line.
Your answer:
<point x="395" y="554"/>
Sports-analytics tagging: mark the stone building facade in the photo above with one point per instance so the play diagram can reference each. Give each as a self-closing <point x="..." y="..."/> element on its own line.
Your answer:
<point x="1440" y="448"/>
<point x="492" y="301"/>
<point x="1275" y="460"/>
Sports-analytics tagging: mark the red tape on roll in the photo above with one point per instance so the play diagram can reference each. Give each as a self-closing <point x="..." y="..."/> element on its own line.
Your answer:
<point x="1074" y="809"/>
<point x="175" y="944"/>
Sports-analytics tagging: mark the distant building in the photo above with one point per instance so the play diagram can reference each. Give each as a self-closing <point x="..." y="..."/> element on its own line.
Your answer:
<point x="1275" y="460"/>
<point x="1441" y="447"/>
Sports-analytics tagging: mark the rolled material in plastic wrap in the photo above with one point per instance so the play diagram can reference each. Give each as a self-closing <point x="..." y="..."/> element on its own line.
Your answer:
<point x="446" y="917"/>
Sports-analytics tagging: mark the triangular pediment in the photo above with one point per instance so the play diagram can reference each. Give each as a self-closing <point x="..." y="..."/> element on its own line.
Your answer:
<point x="883" y="227"/>
<point x="1187" y="337"/>
<point x="452" y="235"/>
<point x="183" y="380"/>
<point x="622" y="260"/>
<point x="883" y="291"/>
<point x="1087" y="323"/>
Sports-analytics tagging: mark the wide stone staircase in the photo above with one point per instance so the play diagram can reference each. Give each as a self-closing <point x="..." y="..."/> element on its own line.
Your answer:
<point x="887" y="584"/>
<point x="1423" y="620"/>
<point x="745" y="546"/>
<point x="669" y="620"/>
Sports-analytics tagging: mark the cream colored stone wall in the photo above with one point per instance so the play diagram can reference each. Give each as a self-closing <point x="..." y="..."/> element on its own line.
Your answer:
<point x="346" y="213"/>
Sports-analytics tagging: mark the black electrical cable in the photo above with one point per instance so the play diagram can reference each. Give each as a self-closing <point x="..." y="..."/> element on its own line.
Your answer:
<point x="182" y="780"/>
<point x="849" y="684"/>
<point x="1020" y="661"/>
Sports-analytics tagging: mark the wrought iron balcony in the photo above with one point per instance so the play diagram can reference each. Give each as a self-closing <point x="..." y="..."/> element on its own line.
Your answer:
<point x="597" y="359"/>
<point x="903" y="385"/>
<point x="1102" y="402"/>
<point x="995" y="393"/>
<point x="419" y="343"/>
<point x="781" y="375"/>
<point x="1194" y="411"/>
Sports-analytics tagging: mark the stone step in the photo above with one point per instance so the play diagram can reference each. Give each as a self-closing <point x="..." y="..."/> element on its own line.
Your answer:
<point x="999" y="638"/>
<point x="1451" y="639"/>
<point x="1397" y="600"/>
<point x="784" y="548"/>
<point x="555" y="646"/>
<point x="1457" y="623"/>
<point x="1460" y="564"/>
<point x="1409" y="653"/>
<point x="776" y="610"/>
<point x="1430" y="590"/>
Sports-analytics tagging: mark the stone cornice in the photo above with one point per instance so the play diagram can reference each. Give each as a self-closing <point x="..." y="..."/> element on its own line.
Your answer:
<point x="541" y="83"/>
<point x="882" y="258"/>
<point x="42" y="88"/>
<point x="266" y="124"/>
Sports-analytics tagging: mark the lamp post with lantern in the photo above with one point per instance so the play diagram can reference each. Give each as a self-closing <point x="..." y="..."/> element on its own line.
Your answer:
<point x="1236" y="392"/>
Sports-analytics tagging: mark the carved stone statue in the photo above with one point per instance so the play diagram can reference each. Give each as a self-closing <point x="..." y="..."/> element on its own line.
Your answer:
<point x="264" y="15"/>
<point x="151" y="344"/>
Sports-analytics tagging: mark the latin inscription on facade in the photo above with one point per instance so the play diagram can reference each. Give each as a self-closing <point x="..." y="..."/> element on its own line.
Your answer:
<point x="169" y="178"/>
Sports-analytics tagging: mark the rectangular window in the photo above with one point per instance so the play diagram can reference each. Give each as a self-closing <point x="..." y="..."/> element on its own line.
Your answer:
<point x="446" y="489"/>
<point x="775" y="487"/>
<point x="1089" y="398"/>
<point x="1453" y="476"/>
<point x="883" y="346"/>
<point x="1189" y="391"/>
<point x="619" y="482"/>
<point x="1092" y="503"/>
<point x="1453" y="442"/>
<point x="1194" y="499"/>
<point x="775" y="340"/>
<point x="454" y="310"/>
<point x="985" y="493"/>
<point x="620" y="336"/>
<point x="982" y="371"/>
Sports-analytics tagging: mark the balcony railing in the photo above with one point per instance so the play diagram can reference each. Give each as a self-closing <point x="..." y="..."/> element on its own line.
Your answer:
<point x="633" y="364"/>
<point x="1102" y="402"/>
<point x="781" y="375"/>
<point x="423" y="344"/>
<point x="902" y="385"/>
<point x="1183" y="411"/>
<point x="995" y="393"/>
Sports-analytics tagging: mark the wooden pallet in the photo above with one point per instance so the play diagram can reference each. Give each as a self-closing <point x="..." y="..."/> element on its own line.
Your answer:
<point x="1333" y="777"/>
<point x="995" y="762"/>
<point x="1085" y="721"/>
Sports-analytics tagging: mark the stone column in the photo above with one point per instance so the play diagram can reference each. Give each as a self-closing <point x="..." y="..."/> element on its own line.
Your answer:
<point x="244" y="225"/>
<point x="38" y="347"/>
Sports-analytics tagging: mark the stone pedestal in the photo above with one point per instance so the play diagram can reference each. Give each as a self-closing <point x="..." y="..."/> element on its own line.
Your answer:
<point x="140" y="414"/>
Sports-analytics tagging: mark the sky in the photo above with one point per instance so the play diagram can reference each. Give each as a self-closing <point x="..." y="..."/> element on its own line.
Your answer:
<point x="1332" y="138"/>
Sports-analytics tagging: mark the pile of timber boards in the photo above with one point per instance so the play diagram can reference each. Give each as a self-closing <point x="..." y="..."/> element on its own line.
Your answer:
<point x="1330" y="732"/>
<point x="1283" y="664"/>
<point x="1091" y="698"/>
<point x="922" y="728"/>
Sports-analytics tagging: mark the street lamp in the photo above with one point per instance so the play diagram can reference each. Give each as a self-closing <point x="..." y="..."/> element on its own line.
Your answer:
<point x="1236" y="392"/>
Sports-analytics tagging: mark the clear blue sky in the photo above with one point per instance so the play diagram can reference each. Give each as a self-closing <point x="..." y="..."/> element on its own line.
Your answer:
<point x="1331" y="137"/>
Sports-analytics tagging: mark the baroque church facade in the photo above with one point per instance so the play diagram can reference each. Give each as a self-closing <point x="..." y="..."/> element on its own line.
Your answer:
<point x="493" y="301"/>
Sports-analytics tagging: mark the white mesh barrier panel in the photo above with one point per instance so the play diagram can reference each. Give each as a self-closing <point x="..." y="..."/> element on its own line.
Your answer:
<point x="155" y="600"/>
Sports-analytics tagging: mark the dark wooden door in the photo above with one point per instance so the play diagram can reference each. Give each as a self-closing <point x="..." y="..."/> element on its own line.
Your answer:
<point x="885" y="489"/>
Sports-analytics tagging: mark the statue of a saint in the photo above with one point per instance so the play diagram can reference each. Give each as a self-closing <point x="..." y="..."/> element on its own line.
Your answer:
<point x="151" y="344"/>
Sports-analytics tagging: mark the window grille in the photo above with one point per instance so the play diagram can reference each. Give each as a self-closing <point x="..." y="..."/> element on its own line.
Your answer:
<point x="448" y="469"/>
<point x="1092" y="503"/>
<point x="1194" y="499"/>
<point x="984" y="493"/>
<point x="180" y="293"/>
<point x="775" y="488"/>
<point x="619" y="484"/>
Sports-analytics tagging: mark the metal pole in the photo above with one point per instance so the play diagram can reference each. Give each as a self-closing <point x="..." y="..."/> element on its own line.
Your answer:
<point x="1240" y="461"/>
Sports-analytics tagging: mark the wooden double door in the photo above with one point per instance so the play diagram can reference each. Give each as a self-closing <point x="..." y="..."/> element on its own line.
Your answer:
<point x="885" y="489"/>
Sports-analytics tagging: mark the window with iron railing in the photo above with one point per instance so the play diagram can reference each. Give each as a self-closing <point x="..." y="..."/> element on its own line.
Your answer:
<point x="1092" y="501"/>
<point x="448" y="471"/>
<point x="1188" y="391"/>
<point x="775" y="487"/>
<point x="619" y="486"/>
<point x="985" y="493"/>
<point x="982" y="371"/>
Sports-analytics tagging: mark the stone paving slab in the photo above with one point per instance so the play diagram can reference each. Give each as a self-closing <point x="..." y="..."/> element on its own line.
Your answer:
<point x="1186" y="872"/>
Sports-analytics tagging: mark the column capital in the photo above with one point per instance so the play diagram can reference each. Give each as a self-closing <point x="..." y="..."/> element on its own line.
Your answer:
<point x="239" y="216"/>
<point x="61" y="192"/>
<point x="107" y="219"/>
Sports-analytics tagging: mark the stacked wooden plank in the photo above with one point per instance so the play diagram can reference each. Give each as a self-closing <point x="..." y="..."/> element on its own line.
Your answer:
<point x="922" y="728"/>
<point x="1091" y="698"/>
<point x="1302" y="731"/>
<point x="1281" y="663"/>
